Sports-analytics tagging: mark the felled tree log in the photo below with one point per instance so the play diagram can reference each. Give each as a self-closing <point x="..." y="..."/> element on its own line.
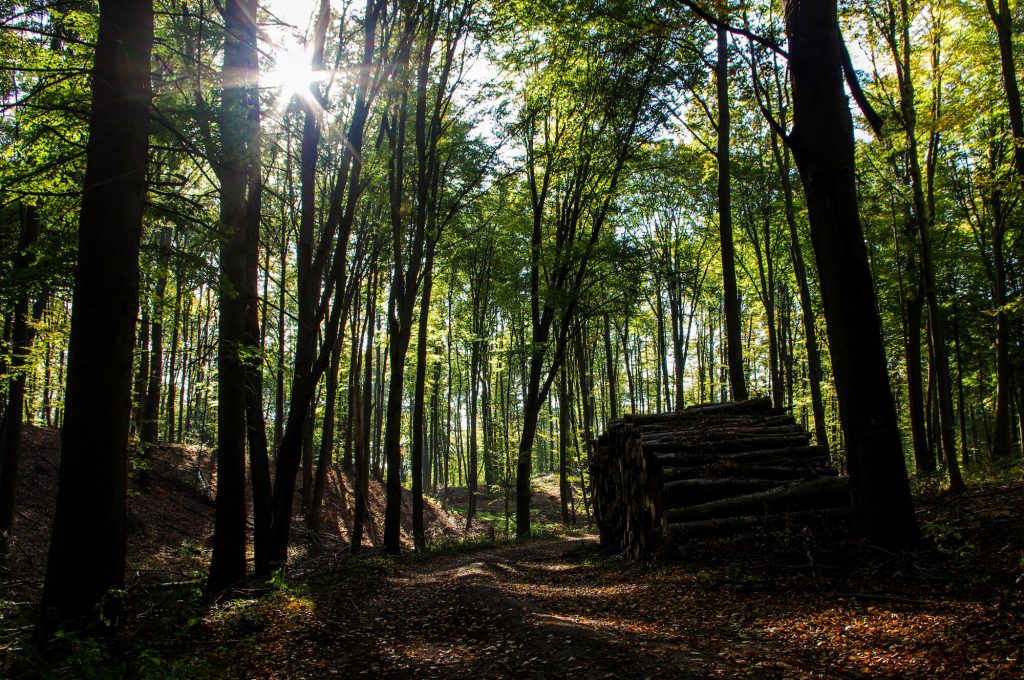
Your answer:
<point x="822" y="492"/>
<point x="729" y="465"/>
<point x="731" y="525"/>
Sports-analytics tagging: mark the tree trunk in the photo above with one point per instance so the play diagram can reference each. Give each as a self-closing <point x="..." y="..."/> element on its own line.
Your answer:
<point x="822" y="144"/>
<point x="239" y="129"/>
<point x="362" y="414"/>
<point x="89" y="525"/>
<point x="730" y="295"/>
<point x="150" y="430"/>
<point x="419" y="420"/>
<point x="609" y="357"/>
<point x="21" y="344"/>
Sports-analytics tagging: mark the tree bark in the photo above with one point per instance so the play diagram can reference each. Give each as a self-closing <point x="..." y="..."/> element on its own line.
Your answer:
<point x="21" y="344"/>
<point x="89" y="524"/>
<point x="730" y="295"/>
<point x="150" y="430"/>
<point x="822" y="144"/>
<point x="239" y="130"/>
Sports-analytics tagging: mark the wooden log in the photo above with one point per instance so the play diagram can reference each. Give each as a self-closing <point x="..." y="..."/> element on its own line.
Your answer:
<point x="730" y="525"/>
<point x="732" y="431"/>
<point x="733" y="445"/>
<point x="811" y="454"/>
<point x="822" y="492"/>
<point x="688" y="492"/>
<point x="712" y="423"/>
<point x="745" y="459"/>
<point x="728" y="407"/>
<point x="777" y="470"/>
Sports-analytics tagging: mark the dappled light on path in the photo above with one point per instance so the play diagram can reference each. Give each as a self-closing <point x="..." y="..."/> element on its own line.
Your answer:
<point x="560" y="608"/>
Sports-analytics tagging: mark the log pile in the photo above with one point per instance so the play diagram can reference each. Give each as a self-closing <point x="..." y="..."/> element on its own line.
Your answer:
<point x="706" y="470"/>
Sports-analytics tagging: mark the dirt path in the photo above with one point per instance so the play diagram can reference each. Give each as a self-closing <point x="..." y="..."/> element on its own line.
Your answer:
<point x="553" y="609"/>
<point x="515" y="611"/>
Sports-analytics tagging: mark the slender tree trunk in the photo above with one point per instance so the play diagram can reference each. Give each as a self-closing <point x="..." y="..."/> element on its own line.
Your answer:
<point x="325" y="456"/>
<point x="363" y="413"/>
<point x="1002" y="19"/>
<point x="151" y="411"/>
<point x="737" y="382"/>
<point x="142" y="375"/>
<point x="564" y="491"/>
<point x="172" y="364"/>
<point x="923" y="219"/>
<point x="609" y="357"/>
<point x="419" y="419"/>
<point x="21" y="344"/>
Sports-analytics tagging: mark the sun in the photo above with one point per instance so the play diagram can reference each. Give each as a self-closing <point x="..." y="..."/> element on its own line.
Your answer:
<point x="291" y="74"/>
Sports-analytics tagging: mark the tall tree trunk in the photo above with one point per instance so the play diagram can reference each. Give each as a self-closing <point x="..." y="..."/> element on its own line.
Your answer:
<point x="733" y="332"/>
<point x="325" y="456"/>
<point x="419" y="419"/>
<point x="609" y="357"/>
<point x="1002" y="19"/>
<point x="814" y="372"/>
<point x="239" y="130"/>
<point x="89" y="523"/>
<point x="310" y="363"/>
<point x="564" y="406"/>
<point x="822" y="144"/>
<point x="362" y="417"/>
<point x="21" y="344"/>
<point x="172" y="364"/>
<point x="151" y="411"/>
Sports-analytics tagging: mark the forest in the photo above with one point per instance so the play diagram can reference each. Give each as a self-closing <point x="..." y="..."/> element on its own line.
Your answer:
<point x="342" y="289"/>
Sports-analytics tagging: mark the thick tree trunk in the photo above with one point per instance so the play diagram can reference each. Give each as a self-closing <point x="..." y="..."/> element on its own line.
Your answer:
<point x="239" y="129"/>
<point x="89" y="524"/>
<point x="822" y="144"/>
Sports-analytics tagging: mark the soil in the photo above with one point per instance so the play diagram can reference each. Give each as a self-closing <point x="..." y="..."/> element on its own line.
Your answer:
<point x="796" y="602"/>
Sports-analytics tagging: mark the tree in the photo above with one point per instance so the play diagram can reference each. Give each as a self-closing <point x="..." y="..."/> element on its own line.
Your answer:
<point x="822" y="144"/>
<point x="733" y="323"/>
<point x="238" y="169"/>
<point x="89" y="524"/>
<point x="582" y="121"/>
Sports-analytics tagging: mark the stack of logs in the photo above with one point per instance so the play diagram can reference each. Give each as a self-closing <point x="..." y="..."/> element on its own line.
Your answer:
<point x="707" y="470"/>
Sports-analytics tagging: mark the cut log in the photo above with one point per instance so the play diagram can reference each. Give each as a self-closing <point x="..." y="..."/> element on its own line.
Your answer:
<point x="731" y="525"/>
<point x="688" y="492"/>
<point x="767" y="470"/>
<point x="811" y="454"/>
<point x="736" y="444"/>
<point x="820" y="493"/>
<point x="705" y="468"/>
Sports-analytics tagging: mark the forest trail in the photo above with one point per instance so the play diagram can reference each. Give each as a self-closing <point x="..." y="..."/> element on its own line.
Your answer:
<point x="539" y="609"/>
<point x="562" y="608"/>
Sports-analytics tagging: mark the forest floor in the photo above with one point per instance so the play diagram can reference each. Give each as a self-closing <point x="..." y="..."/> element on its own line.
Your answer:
<point x="786" y="603"/>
